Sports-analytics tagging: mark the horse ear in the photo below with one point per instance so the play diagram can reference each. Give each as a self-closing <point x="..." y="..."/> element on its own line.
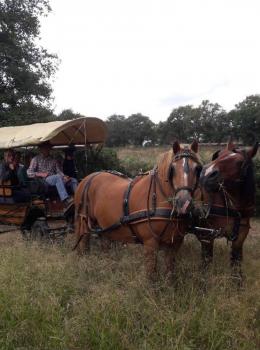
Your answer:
<point x="230" y="144"/>
<point x="253" y="150"/>
<point x="176" y="147"/>
<point x="194" y="146"/>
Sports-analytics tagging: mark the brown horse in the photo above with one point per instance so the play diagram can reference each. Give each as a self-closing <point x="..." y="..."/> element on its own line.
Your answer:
<point x="153" y="208"/>
<point x="228" y="189"/>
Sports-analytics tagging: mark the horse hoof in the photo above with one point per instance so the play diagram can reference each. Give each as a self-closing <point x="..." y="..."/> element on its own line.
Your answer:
<point x="238" y="281"/>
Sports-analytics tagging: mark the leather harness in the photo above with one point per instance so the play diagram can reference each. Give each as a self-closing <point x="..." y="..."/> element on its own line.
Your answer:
<point x="226" y="211"/>
<point x="128" y="218"/>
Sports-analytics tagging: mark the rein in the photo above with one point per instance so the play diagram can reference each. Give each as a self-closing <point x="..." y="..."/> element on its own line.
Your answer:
<point x="149" y="214"/>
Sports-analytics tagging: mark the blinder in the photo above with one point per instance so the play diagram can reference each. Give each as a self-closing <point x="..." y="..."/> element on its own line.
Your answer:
<point x="171" y="172"/>
<point x="215" y="155"/>
<point x="245" y="169"/>
<point x="198" y="170"/>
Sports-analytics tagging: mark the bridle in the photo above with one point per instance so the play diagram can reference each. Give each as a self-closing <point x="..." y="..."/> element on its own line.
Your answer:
<point x="229" y="183"/>
<point x="230" y="209"/>
<point x="185" y="154"/>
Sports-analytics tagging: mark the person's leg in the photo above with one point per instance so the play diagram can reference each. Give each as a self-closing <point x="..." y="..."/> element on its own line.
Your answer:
<point x="73" y="183"/>
<point x="57" y="180"/>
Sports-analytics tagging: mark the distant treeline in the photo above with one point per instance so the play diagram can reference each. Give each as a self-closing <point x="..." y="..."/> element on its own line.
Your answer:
<point x="208" y="122"/>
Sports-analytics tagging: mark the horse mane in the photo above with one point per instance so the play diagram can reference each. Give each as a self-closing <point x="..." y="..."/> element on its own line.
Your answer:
<point x="163" y="164"/>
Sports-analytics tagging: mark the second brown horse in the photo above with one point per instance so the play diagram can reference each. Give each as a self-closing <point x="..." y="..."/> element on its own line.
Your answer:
<point x="228" y="188"/>
<point x="154" y="208"/>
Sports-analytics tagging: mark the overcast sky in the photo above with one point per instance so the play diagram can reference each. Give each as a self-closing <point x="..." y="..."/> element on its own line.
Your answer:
<point x="150" y="56"/>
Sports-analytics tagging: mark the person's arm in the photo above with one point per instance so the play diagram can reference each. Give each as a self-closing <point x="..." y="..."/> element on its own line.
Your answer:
<point x="32" y="170"/>
<point x="22" y="175"/>
<point x="58" y="169"/>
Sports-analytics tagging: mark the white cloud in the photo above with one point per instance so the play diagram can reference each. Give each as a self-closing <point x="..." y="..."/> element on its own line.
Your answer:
<point x="128" y="56"/>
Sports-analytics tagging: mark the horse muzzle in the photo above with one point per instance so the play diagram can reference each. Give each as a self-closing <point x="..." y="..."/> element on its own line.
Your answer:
<point x="183" y="204"/>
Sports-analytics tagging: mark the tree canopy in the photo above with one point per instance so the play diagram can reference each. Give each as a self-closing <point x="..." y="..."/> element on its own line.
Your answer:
<point x="208" y="122"/>
<point x="25" y="67"/>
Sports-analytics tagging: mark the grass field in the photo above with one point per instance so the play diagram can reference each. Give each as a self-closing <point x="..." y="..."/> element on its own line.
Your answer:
<point x="135" y="159"/>
<point x="51" y="299"/>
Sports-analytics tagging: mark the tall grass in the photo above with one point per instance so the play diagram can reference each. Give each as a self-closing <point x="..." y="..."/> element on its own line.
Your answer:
<point x="51" y="299"/>
<point x="137" y="159"/>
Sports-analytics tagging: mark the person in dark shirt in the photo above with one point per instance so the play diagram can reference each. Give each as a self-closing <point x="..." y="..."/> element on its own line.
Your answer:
<point x="8" y="172"/>
<point x="69" y="167"/>
<point x="8" y="168"/>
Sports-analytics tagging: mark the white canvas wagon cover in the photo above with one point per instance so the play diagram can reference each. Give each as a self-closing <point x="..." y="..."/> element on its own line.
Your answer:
<point x="79" y="131"/>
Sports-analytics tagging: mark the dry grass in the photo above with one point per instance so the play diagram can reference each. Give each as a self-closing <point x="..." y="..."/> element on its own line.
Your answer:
<point x="137" y="159"/>
<point x="51" y="299"/>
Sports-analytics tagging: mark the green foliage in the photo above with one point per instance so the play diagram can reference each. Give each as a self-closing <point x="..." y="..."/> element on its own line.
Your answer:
<point x="93" y="160"/>
<point x="208" y="122"/>
<point x="205" y="123"/>
<point x="140" y="128"/>
<point x="133" y="130"/>
<point x="245" y="119"/>
<point x="25" y="67"/>
<point x="117" y="131"/>
<point x="68" y="114"/>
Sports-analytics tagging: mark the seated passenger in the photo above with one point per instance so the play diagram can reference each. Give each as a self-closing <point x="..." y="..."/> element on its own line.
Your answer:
<point x="8" y="169"/>
<point x="69" y="167"/>
<point x="21" y="170"/>
<point x="8" y="172"/>
<point x="45" y="167"/>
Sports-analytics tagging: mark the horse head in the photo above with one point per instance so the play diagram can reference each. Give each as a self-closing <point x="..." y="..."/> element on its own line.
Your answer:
<point x="231" y="167"/>
<point x="183" y="175"/>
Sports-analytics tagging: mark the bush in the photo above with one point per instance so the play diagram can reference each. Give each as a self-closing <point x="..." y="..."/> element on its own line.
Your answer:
<point x="97" y="160"/>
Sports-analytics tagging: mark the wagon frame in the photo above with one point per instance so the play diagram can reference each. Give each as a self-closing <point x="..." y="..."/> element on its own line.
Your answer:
<point x="43" y="216"/>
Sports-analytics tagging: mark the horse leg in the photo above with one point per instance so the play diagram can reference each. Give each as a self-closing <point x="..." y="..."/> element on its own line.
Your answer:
<point x="206" y="253"/>
<point x="150" y="252"/>
<point x="105" y="244"/>
<point x="236" y="255"/>
<point x="170" y="252"/>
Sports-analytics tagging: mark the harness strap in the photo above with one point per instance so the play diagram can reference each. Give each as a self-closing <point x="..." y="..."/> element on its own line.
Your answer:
<point x="228" y="212"/>
<point x="223" y="211"/>
<point x="164" y="213"/>
<point x="85" y="190"/>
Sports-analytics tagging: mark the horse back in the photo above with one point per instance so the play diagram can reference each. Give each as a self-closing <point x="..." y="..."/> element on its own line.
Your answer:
<point x="101" y="194"/>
